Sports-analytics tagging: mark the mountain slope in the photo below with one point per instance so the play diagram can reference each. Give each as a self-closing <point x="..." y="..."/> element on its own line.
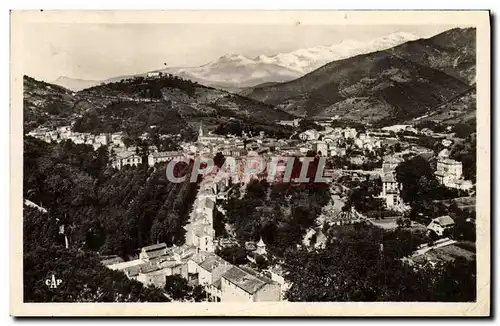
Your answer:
<point x="43" y="101"/>
<point x="452" y="52"/>
<point x="460" y="109"/>
<point x="371" y="87"/>
<point x="171" y="104"/>
<point x="236" y="71"/>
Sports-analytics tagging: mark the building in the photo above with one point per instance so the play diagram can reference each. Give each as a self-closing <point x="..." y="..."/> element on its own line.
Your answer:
<point x="126" y="158"/>
<point x="441" y="225"/>
<point x="208" y="139"/>
<point x="200" y="235"/>
<point x="155" y="263"/>
<point x="245" y="285"/>
<point x="210" y="272"/>
<point x="311" y="134"/>
<point x="390" y="163"/>
<point x="448" y="170"/>
<point x="320" y="147"/>
<point x="158" y="157"/>
<point x="390" y="190"/>
<point x="261" y="248"/>
<point x="153" y="74"/>
<point x="291" y="123"/>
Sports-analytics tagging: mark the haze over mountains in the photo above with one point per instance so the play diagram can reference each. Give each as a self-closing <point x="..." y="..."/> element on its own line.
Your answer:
<point x="239" y="71"/>
<point x="401" y="83"/>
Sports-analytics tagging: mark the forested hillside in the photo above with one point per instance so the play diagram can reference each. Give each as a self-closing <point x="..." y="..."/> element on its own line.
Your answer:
<point x="101" y="211"/>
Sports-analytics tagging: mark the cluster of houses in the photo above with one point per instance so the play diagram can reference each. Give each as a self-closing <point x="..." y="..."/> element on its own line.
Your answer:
<point x="197" y="262"/>
<point x="65" y="133"/>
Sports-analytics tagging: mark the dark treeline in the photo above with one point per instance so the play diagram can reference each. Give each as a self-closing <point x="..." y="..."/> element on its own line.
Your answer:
<point x="106" y="210"/>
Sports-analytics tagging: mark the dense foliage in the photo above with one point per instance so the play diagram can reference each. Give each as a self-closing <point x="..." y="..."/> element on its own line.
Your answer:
<point x="466" y="153"/>
<point x="250" y="127"/>
<point x="84" y="278"/>
<point x="419" y="182"/>
<point x="279" y="213"/>
<point x="364" y="264"/>
<point x="105" y="210"/>
<point x="179" y="289"/>
<point x="135" y="118"/>
<point x="94" y="209"/>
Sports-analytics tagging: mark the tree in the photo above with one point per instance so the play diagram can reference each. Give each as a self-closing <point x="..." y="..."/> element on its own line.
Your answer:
<point x="84" y="279"/>
<point x="219" y="159"/>
<point x="235" y="255"/>
<point x="178" y="289"/>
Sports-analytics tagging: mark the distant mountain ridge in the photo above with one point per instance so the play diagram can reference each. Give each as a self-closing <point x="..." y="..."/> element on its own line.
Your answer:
<point x="75" y="84"/>
<point x="397" y="84"/>
<point x="237" y="71"/>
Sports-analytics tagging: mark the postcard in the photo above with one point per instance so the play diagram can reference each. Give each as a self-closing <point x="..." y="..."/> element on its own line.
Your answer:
<point x="250" y="163"/>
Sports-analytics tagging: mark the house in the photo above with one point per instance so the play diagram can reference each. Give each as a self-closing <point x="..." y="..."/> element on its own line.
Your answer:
<point x="205" y="207"/>
<point x="155" y="263"/>
<point x="448" y="170"/>
<point x="239" y="284"/>
<point x="390" y="163"/>
<point x="390" y="190"/>
<point x="126" y="158"/>
<point x="277" y="274"/>
<point x="208" y="139"/>
<point x="291" y="123"/>
<point x="200" y="235"/>
<point x="441" y="224"/>
<point x="210" y="272"/>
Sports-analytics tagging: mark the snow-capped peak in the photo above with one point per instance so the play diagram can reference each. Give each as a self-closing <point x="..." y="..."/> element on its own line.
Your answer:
<point x="237" y="69"/>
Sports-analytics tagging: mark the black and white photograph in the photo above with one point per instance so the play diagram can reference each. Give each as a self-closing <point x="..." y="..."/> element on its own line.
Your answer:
<point x="203" y="161"/>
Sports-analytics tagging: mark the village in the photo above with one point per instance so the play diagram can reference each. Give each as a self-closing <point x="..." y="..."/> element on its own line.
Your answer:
<point x="223" y="281"/>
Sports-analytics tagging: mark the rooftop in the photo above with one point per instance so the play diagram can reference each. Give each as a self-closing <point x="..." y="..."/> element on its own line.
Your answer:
<point x="449" y="161"/>
<point x="388" y="177"/>
<point x="157" y="246"/>
<point x="126" y="264"/>
<point x="166" y="154"/>
<point x="213" y="262"/>
<point x="445" y="220"/>
<point x="246" y="280"/>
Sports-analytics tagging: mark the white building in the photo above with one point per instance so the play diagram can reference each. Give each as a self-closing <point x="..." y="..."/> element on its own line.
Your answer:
<point x="153" y="74"/>
<point x="448" y="170"/>
<point x="441" y="224"/>
<point x="390" y="190"/>
<point x="158" y="157"/>
<point x="311" y="134"/>
<point x="126" y="158"/>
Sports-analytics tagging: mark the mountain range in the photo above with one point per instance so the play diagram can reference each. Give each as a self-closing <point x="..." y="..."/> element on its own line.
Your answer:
<point x="237" y="71"/>
<point x="397" y="84"/>
<point x="423" y="79"/>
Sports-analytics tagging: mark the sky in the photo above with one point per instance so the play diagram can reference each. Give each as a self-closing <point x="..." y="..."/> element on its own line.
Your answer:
<point x="101" y="51"/>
